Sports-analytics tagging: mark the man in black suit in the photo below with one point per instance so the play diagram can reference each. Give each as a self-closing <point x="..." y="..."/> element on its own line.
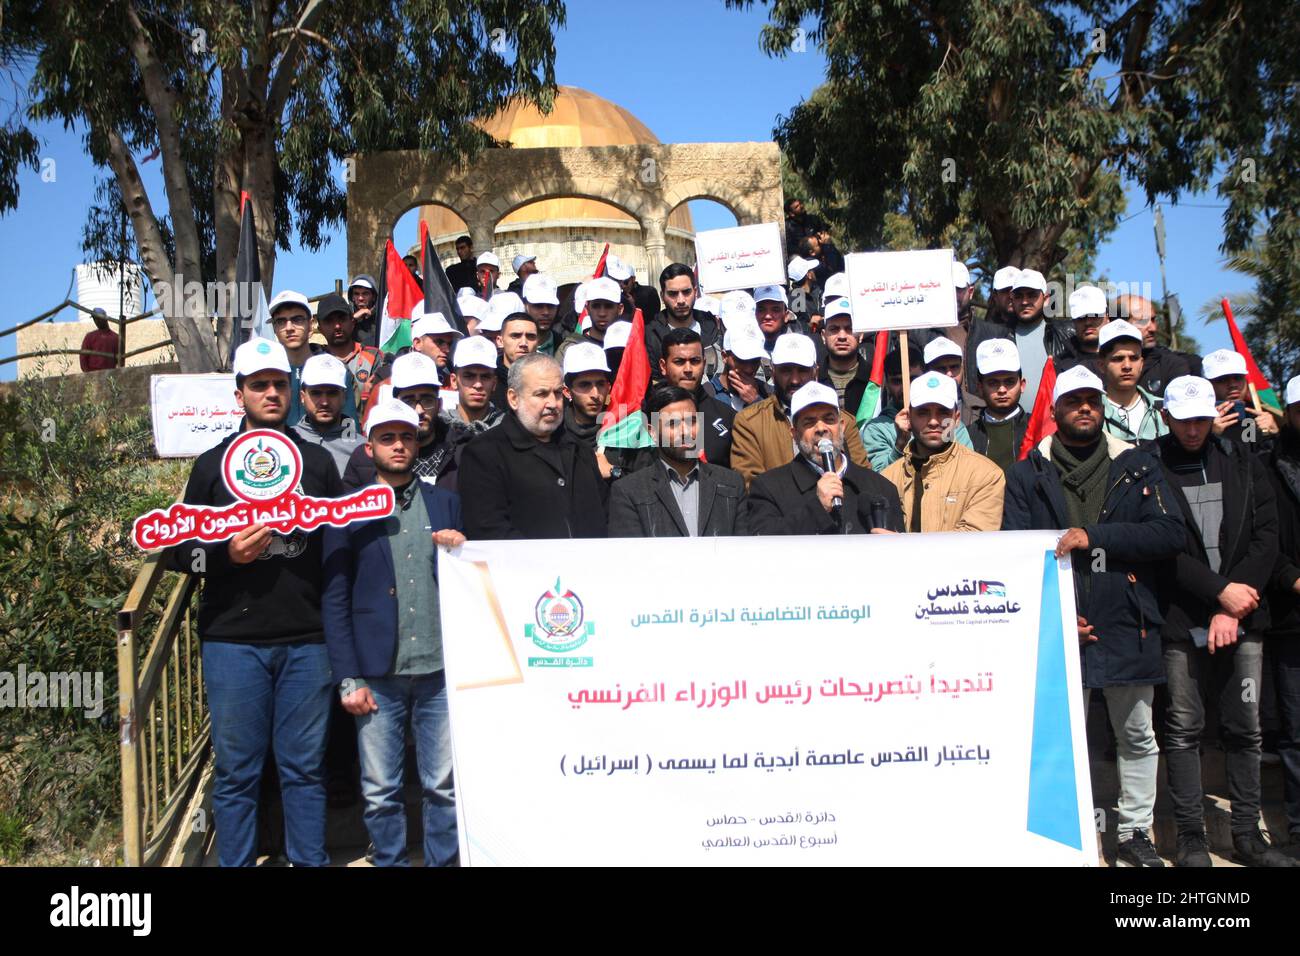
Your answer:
<point x="528" y="477"/>
<point x="679" y="496"/>
<point x="803" y="497"/>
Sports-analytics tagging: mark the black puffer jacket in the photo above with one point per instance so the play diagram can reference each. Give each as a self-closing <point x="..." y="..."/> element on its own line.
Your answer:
<point x="1139" y="527"/>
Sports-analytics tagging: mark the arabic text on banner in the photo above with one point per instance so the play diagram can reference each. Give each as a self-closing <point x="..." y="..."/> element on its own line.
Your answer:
<point x="927" y="711"/>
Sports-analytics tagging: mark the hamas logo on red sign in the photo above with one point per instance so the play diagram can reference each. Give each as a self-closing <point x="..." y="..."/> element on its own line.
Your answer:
<point x="560" y="621"/>
<point x="261" y="465"/>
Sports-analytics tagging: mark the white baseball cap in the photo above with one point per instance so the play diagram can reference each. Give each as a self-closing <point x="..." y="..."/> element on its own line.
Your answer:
<point x="474" y="350"/>
<point x="1087" y="300"/>
<point x="617" y="269"/>
<point x="488" y="259"/>
<point x="1005" y="278"/>
<point x="363" y="282"/>
<point x="471" y="306"/>
<point x="794" y="348"/>
<point x="518" y="261"/>
<point x="1223" y="362"/>
<point x="1190" y="396"/>
<point x="813" y="393"/>
<point x="736" y="306"/>
<point x="324" y="369"/>
<point x="933" y="389"/>
<point x="935" y="348"/>
<point x="1076" y="379"/>
<point x="389" y="411"/>
<point x="707" y="303"/>
<point x="1293" y="390"/>
<point x="960" y="275"/>
<point x="997" y="355"/>
<point x="260" y="355"/>
<point x="433" y="323"/>
<point x="605" y="289"/>
<point x="744" y="340"/>
<point x="1117" y="329"/>
<point x="837" y="284"/>
<point x="584" y="357"/>
<point x="503" y="305"/>
<point x="288" y="297"/>
<point x="1030" y="279"/>
<point x="837" y="306"/>
<point x="414" y="368"/>
<point x="616" y="336"/>
<point x="770" y="293"/>
<point x="466" y="292"/>
<point x="799" y="267"/>
<point x="539" y="289"/>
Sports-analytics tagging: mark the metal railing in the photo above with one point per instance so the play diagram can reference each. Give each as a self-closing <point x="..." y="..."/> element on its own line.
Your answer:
<point x="163" y="718"/>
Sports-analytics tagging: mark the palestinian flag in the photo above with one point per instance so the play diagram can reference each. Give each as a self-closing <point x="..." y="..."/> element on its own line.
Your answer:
<point x="1267" y="397"/>
<point x="401" y="294"/>
<point x="1041" y="422"/>
<point x="624" y="425"/>
<point x="873" y="397"/>
<point x="251" y="317"/>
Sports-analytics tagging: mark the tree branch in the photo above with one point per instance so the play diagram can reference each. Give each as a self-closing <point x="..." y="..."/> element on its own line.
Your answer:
<point x="162" y="102"/>
<point x="282" y="82"/>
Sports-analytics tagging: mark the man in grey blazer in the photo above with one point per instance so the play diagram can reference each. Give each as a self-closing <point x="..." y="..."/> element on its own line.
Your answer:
<point x="679" y="496"/>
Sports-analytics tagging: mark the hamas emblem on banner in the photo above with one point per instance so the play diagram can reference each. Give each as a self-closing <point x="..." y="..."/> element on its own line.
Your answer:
<point x="261" y="465"/>
<point x="561" y="624"/>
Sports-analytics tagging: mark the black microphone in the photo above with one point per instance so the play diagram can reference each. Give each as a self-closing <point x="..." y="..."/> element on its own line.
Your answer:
<point x="827" y="451"/>
<point x="879" y="513"/>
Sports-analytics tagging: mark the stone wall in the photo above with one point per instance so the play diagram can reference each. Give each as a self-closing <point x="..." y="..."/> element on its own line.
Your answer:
<point x="68" y="335"/>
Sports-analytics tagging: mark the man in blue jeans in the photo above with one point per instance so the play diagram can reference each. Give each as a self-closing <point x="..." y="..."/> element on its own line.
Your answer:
<point x="265" y="667"/>
<point x="384" y="634"/>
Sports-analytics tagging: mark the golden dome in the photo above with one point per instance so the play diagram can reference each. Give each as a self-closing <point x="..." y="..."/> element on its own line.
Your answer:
<point x="579" y="118"/>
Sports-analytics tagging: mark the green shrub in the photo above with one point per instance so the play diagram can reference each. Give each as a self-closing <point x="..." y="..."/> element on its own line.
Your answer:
<point x="73" y="475"/>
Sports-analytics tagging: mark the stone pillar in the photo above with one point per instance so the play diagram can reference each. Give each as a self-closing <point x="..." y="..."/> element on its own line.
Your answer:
<point x="482" y="231"/>
<point x="654" y="238"/>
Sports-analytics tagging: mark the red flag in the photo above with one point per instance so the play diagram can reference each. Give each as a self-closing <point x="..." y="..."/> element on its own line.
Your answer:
<point x="1253" y="375"/>
<point x="600" y="265"/>
<point x="1041" y="422"/>
<point x="633" y="377"/>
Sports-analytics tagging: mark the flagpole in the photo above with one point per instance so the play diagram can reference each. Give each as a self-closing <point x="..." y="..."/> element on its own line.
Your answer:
<point x="906" y="366"/>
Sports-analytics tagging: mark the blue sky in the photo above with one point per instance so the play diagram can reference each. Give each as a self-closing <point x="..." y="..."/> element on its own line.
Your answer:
<point x="693" y="72"/>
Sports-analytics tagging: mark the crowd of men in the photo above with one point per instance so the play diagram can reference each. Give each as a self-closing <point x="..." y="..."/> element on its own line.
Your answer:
<point x="1176" y="494"/>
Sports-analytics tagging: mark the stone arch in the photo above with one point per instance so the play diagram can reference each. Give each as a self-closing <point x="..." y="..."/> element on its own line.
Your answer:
<point x="646" y="181"/>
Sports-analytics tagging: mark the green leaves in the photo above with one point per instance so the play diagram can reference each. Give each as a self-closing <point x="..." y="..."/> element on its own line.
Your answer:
<point x="1038" y="112"/>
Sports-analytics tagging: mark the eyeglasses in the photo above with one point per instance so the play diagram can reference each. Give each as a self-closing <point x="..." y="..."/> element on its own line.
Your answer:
<point x="280" y="321"/>
<point x="425" y="399"/>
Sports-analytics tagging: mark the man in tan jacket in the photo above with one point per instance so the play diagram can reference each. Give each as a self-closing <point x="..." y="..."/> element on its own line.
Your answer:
<point x="760" y="435"/>
<point x="943" y="485"/>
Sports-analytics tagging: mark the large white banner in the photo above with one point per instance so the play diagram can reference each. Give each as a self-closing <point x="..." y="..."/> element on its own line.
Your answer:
<point x="901" y="290"/>
<point x="191" y="413"/>
<point x="909" y="699"/>
<point x="740" y="257"/>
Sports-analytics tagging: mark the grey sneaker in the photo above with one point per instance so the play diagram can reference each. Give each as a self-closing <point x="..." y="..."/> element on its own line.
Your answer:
<point x="1138" y="851"/>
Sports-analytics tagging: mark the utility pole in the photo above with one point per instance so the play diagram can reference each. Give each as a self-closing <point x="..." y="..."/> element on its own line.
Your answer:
<point x="1173" y="312"/>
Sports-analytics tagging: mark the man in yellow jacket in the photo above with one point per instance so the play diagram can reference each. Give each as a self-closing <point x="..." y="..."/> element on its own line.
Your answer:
<point x="943" y="485"/>
<point x="760" y="435"/>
